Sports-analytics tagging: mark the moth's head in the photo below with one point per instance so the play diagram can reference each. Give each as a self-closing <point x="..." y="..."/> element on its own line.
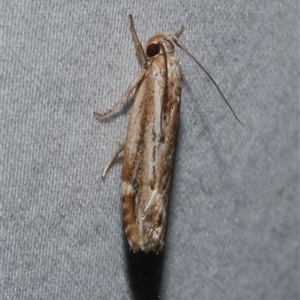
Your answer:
<point x="159" y="44"/>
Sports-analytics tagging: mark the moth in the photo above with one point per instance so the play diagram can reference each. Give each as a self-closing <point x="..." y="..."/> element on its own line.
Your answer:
<point x="150" y="140"/>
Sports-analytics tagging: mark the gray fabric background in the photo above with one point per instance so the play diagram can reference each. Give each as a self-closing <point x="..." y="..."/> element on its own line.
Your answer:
<point x="233" y="226"/>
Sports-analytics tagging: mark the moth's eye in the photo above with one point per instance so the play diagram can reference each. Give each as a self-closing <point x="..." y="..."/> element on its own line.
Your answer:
<point x="152" y="50"/>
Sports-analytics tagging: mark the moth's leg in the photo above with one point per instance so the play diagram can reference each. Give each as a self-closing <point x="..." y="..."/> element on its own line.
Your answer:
<point x="123" y="97"/>
<point x="112" y="159"/>
<point x="138" y="45"/>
